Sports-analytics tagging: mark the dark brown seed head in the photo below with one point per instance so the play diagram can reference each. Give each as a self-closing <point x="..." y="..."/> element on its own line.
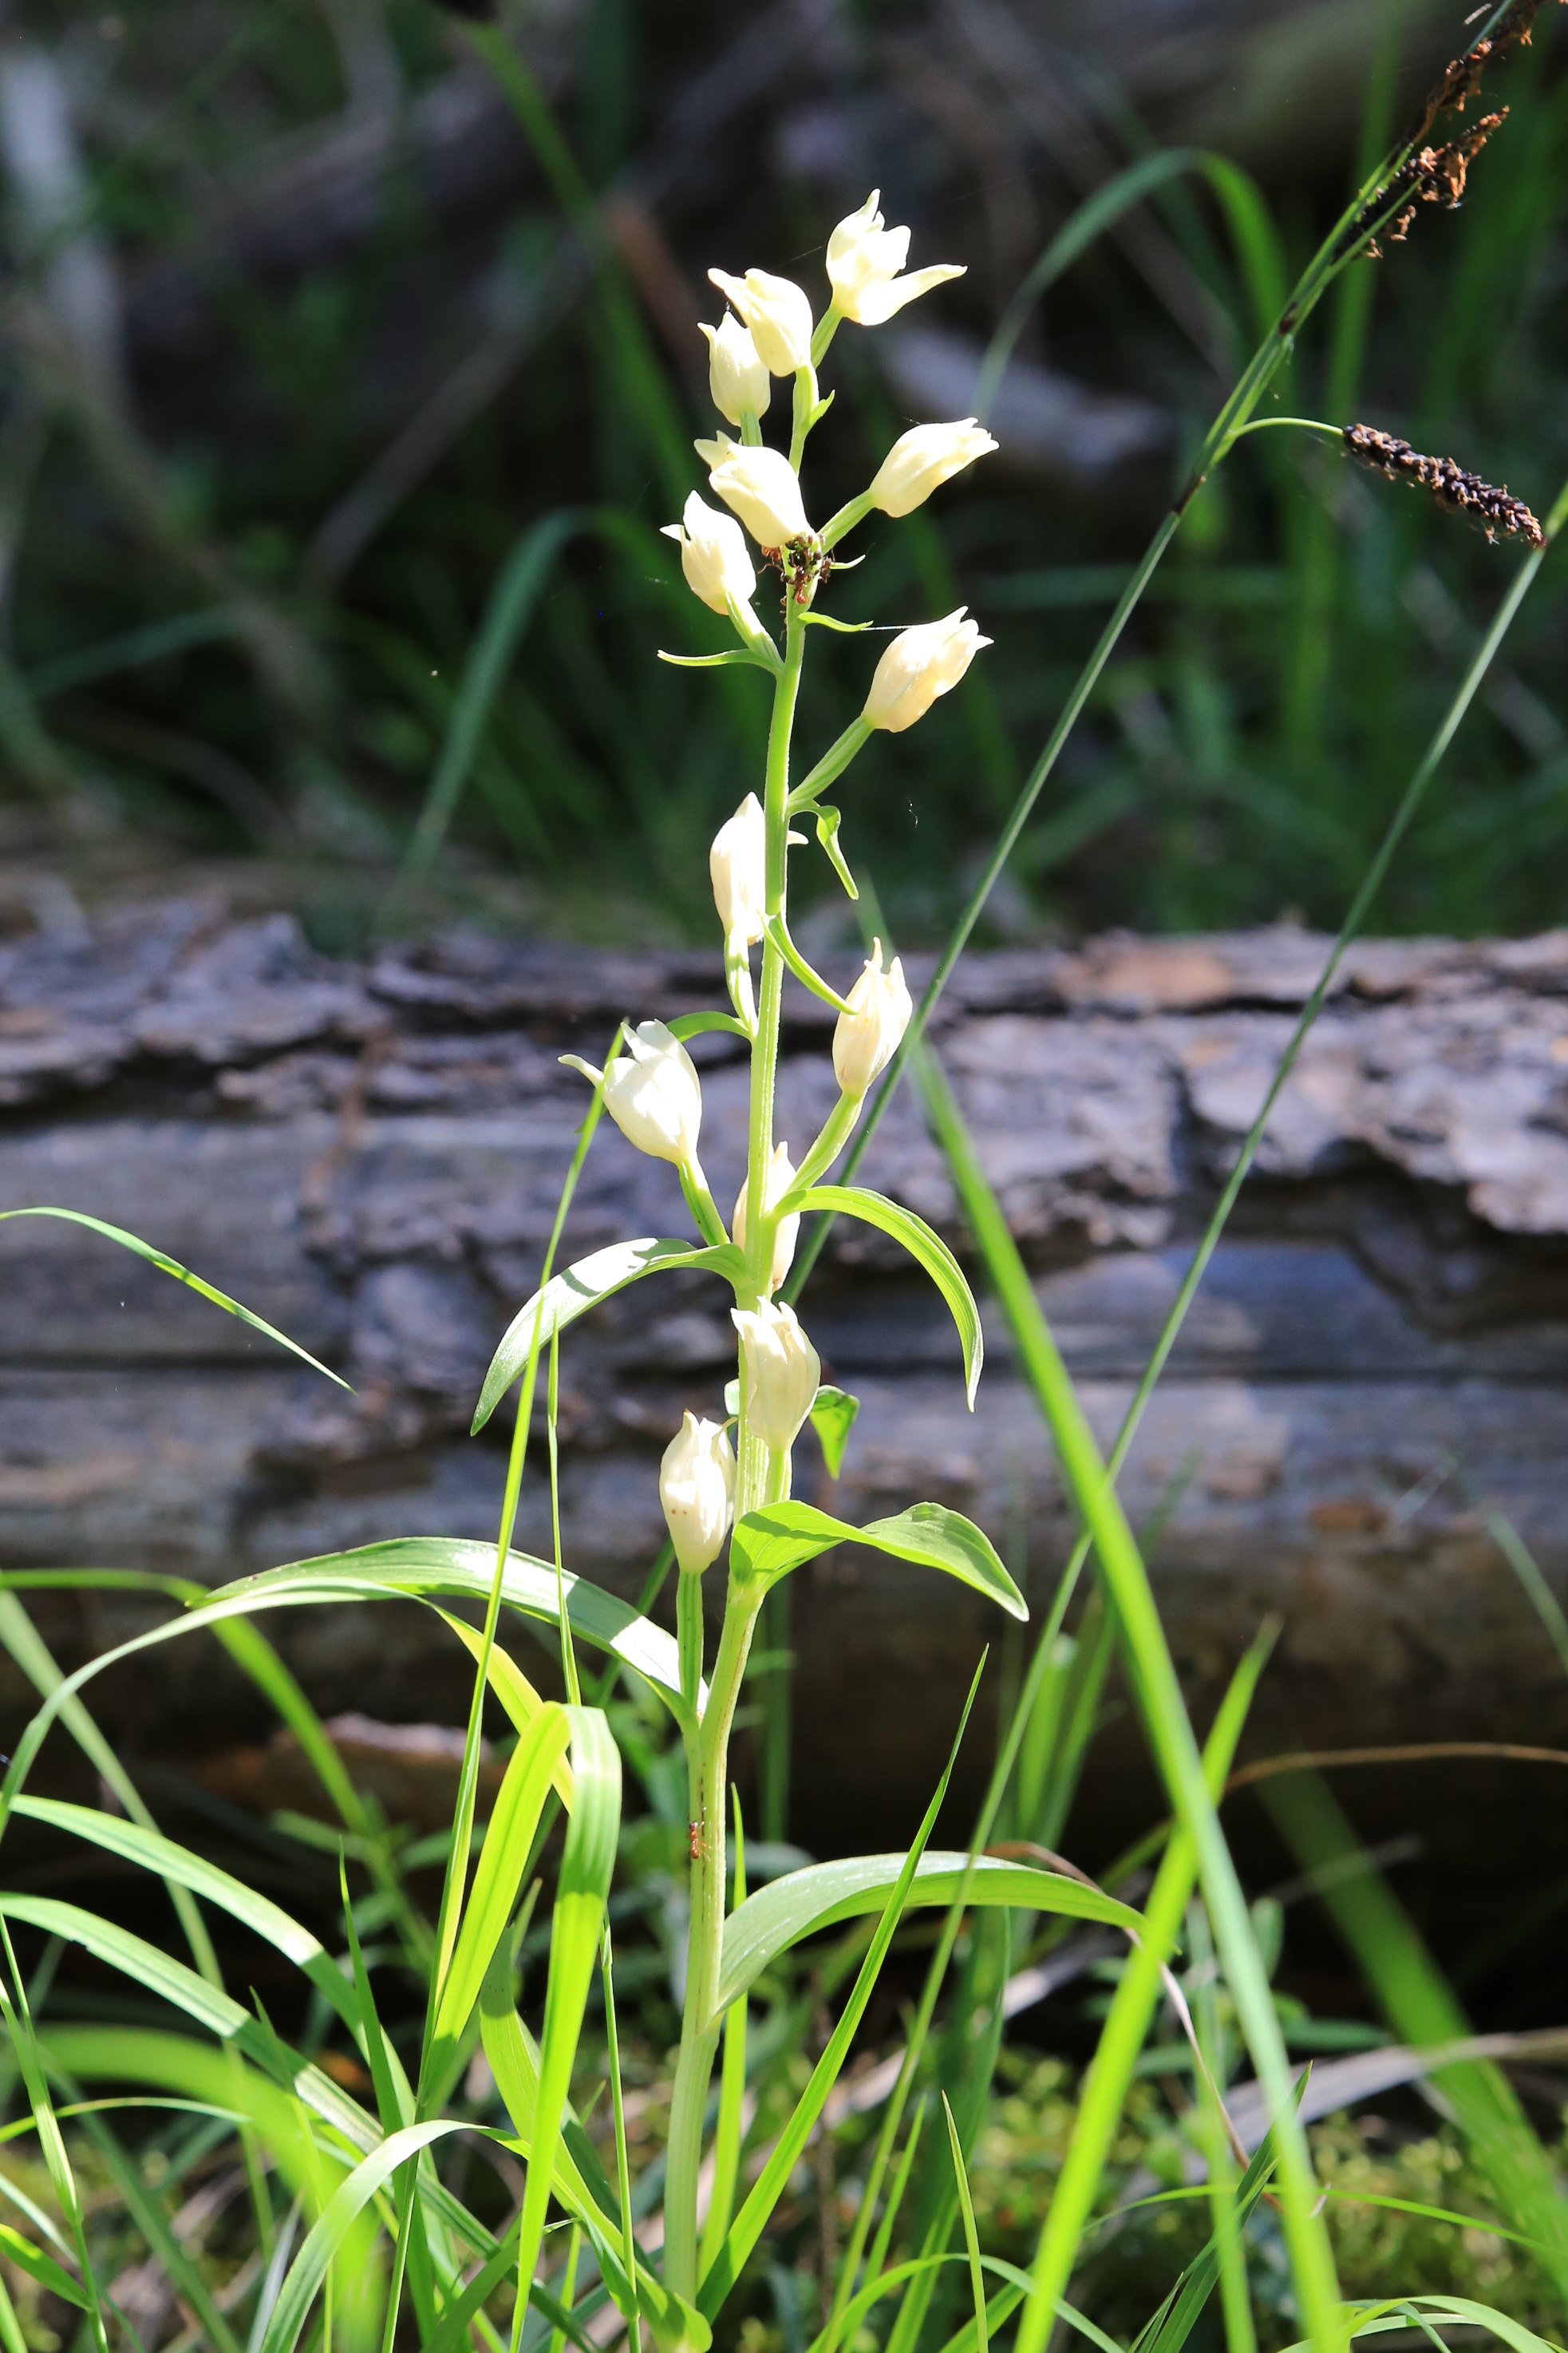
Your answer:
<point x="1488" y="504"/>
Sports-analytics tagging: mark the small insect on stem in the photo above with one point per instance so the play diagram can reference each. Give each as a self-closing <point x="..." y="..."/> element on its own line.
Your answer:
<point x="696" y="1841"/>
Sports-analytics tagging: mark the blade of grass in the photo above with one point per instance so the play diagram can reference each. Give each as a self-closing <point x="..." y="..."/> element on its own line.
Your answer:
<point x="171" y="1266"/>
<point x="622" y="2162"/>
<point x="1421" y="2009"/>
<point x="33" y="1655"/>
<point x="970" y="2236"/>
<point x="1169" y="1730"/>
<point x="51" y="2141"/>
<point x="1357" y="225"/>
<point x="749" y="2223"/>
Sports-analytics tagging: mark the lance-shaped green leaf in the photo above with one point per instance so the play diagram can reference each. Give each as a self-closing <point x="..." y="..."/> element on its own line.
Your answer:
<point x="832" y="1416"/>
<point x="577" y="1288"/>
<point x="167" y="1265"/>
<point x="531" y="1768"/>
<point x="779" y="1915"/>
<point x="39" y="2266"/>
<point x="768" y="1543"/>
<point x="892" y="1218"/>
<point x="580" y="2180"/>
<point x="582" y="1893"/>
<point x="151" y="1851"/>
<point x="427" y="1568"/>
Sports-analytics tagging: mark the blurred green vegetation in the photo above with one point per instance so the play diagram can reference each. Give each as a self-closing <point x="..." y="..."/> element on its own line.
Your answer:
<point x="240" y="609"/>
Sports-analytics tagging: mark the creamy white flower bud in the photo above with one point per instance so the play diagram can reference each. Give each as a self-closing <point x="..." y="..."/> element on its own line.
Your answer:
<point x="778" y="313"/>
<point x="760" y="486"/>
<point x="870" y="1033"/>
<point x="863" y="264"/>
<point x="739" y="382"/>
<point x="697" y="1488"/>
<point x="783" y="1370"/>
<point x="653" y="1094"/>
<point x="781" y="1176"/>
<point x="713" y="555"/>
<point x="921" y="664"/>
<point x="738" y="863"/>
<point x="921" y="460"/>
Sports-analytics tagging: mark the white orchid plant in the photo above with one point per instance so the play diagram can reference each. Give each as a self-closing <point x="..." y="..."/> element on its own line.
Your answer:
<point x="715" y="1489"/>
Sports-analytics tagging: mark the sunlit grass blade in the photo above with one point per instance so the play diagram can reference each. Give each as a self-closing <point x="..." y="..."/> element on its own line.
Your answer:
<point x="824" y="1893"/>
<point x="32" y="1654"/>
<point x="581" y="1892"/>
<point x="42" y="2267"/>
<point x="1104" y="2089"/>
<point x="530" y="1770"/>
<point x="164" y="2249"/>
<point x="970" y="2236"/>
<point x="51" y="2141"/>
<point x="515" y="1693"/>
<point x="415" y="1567"/>
<point x="148" y="1850"/>
<point x="1165" y="1716"/>
<point x="750" y="2222"/>
<point x="333" y="2232"/>
<point x="1252" y="228"/>
<point x="622" y="2162"/>
<point x="1336" y="253"/>
<point x="166" y="1265"/>
<point x="1421" y="2009"/>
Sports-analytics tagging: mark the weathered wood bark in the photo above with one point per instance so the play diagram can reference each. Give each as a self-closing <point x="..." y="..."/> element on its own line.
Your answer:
<point x="369" y="1155"/>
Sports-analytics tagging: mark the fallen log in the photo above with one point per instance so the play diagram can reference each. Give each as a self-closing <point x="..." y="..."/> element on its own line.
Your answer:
<point x="369" y="1155"/>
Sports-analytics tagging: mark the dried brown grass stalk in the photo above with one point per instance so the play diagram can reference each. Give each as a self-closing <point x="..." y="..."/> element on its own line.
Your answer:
<point x="1489" y="504"/>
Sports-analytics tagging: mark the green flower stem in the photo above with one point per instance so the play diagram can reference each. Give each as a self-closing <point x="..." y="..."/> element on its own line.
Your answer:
<point x="826" y="328"/>
<point x="805" y="413"/>
<point x="702" y="2019"/>
<point x="836" y="1130"/>
<point x="832" y="763"/>
<point x="689" y="1630"/>
<point x="845" y="519"/>
<point x="761" y="1477"/>
<point x="701" y="1202"/>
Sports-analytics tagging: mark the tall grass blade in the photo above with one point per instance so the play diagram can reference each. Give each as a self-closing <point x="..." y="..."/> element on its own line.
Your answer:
<point x="1421" y="2009"/>
<point x="1164" y="1713"/>
<point x="1338" y="251"/>
<point x="171" y="1266"/>
<point x="32" y="1654"/>
<point x="970" y="2236"/>
<point x="19" y="2023"/>
<point x="749" y="2223"/>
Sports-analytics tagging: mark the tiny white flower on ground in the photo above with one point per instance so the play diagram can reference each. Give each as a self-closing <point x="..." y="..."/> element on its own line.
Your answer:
<point x="781" y="1176"/>
<point x="778" y="313"/>
<point x="869" y="1036"/>
<point x="921" y="664"/>
<point x="760" y="486"/>
<point x="713" y="555"/>
<point x="697" y="1489"/>
<point x="921" y="460"/>
<point x="863" y="264"/>
<point x="739" y="382"/>
<point x="783" y="1371"/>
